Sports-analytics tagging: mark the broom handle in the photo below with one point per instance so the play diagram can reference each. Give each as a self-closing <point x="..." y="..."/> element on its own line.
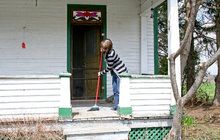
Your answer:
<point x="98" y="83"/>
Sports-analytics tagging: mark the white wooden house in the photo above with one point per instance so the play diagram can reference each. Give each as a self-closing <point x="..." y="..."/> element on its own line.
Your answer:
<point x="49" y="56"/>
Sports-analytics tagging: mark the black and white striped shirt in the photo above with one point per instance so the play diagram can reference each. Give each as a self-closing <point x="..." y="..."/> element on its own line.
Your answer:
<point x="114" y="63"/>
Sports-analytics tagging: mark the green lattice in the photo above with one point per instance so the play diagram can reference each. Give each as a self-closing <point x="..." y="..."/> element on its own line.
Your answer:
<point x="157" y="133"/>
<point x="138" y="134"/>
<point x="153" y="133"/>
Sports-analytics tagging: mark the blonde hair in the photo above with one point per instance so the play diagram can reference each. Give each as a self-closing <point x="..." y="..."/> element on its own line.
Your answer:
<point x="106" y="44"/>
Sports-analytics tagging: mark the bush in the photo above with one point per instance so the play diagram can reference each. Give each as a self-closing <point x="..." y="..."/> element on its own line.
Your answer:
<point x="29" y="129"/>
<point x="188" y="121"/>
<point x="204" y="94"/>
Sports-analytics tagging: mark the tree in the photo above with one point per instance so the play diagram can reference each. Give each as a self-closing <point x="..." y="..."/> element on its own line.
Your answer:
<point x="216" y="100"/>
<point x="192" y="9"/>
<point x="162" y="39"/>
<point x="203" y="45"/>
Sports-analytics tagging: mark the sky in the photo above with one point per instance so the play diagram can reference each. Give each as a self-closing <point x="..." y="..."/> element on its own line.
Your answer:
<point x="213" y="69"/>
<point x="202" y="17"/>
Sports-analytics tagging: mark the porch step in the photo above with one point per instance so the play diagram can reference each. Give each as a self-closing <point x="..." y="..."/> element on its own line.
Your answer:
<point x="97" y="130"/>
<point x="104" y="113"/>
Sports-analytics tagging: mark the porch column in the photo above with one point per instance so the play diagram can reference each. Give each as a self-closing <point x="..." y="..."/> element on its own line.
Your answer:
<point x="65" y="108"/>
<point x="144" y="43"/>
<point x="124" y="97"/>
<point x="174" y="42"/>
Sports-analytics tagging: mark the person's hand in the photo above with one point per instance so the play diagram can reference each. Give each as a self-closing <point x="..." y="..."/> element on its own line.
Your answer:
<point x="99" y="73"/>
<point x="101" y="50"/>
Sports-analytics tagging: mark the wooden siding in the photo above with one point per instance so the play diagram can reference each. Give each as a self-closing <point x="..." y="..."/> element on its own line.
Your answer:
<point x="33" y="97"/>
<point x="46" y="35"/>
<point x="147" y="43"/>
<point x="123" y="27"/>
<point x="150" y="44"/>
<point x="150" y="96"/>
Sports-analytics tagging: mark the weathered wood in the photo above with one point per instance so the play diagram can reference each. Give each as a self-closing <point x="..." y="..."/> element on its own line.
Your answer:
<point x="23" y="96"/>
<point x="149" y="95"/>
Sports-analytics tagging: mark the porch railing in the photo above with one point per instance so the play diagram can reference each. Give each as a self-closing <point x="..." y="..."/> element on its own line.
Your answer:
<point x="34" y="96"/>
<point x="145" y="95"/>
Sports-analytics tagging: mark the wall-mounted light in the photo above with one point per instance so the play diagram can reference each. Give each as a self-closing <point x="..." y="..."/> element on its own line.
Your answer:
<point x="152" y="9"/>
<point x="152" y="12"/>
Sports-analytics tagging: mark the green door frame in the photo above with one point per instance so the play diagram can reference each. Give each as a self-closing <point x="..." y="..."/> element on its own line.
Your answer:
<point x="156" y="54"/>
<point x="156" y="57"/>
<point x="71" y="7"/>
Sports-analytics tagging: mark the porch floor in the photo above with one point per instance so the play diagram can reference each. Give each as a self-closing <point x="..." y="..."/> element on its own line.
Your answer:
<point x="105" y="112"/>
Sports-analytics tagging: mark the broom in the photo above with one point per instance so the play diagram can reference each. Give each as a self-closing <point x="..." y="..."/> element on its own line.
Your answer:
<point x="95" y="107"/>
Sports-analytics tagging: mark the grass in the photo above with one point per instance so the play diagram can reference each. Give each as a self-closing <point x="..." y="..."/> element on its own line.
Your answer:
<point x="202" y="132"/>
<point x="205" y="93"/>
<point x="188" y="121"/>
<point x="202" y="121"/>
<point x="207" y="89"/>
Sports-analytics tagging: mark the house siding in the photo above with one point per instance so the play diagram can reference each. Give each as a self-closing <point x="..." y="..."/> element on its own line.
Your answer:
<point x="46" y="36"/>
<point x="147" y="43"/>
<point x="150" y="96"/>
<point x="29" y="96"/>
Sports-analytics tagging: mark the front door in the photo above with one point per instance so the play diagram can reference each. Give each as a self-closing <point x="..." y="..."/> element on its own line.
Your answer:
<point x="85" y="60"/>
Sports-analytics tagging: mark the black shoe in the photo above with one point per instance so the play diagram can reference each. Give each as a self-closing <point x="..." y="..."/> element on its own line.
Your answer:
<point x="115" y="108"/>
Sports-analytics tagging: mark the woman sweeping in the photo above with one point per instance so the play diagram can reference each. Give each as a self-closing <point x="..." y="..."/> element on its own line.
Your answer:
<point x="114" y="65"/>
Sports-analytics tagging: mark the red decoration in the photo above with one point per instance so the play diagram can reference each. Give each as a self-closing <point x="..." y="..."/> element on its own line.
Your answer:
<point x="23" y="45"/>
<point x="87" y="16"/>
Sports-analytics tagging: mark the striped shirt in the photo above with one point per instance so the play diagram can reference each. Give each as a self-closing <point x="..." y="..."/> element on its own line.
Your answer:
<point x="114" y="63"/>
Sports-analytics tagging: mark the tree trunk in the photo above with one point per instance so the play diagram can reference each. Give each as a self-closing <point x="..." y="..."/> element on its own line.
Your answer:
<point x="176" y="131"/>
<point x="176" y="127"/>
<point x="216" y="100"/>
<point x="192" y="9"/>
<point x="190" y="71"/>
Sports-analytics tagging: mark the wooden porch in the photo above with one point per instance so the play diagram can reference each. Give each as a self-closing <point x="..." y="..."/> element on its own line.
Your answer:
<point x="80" y="111"/>
<point x="144" y="104"/>
<point x="108" y="124"/>
<point x="140" y="96"/>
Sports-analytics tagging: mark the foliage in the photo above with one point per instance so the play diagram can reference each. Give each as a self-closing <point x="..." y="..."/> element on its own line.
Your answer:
<point x="202" y="36"/>
<point x="162" y="39"/>
<point x="205" y="27"/>
<point x="204" y="94"/>
<point x="188" y="121"/>
<point x="163" y="67"/>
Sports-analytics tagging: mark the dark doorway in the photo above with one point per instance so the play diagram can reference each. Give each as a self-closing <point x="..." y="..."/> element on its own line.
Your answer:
<point x="85" y="60"/>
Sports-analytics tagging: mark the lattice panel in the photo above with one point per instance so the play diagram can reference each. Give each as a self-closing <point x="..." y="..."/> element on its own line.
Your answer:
<point x="157" y="133"/>
<point x="153" y="133"/>
<point x="138" y="134"/>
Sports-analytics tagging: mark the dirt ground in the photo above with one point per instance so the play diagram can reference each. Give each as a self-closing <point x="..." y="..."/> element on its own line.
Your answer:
<point x="206" y="125"/>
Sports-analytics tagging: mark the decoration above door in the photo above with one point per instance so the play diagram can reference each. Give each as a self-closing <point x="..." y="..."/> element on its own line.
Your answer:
<point x="90" y="17"/>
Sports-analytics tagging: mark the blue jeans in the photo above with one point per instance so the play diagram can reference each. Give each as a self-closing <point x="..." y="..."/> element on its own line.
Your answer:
<point x="115" y="86"/>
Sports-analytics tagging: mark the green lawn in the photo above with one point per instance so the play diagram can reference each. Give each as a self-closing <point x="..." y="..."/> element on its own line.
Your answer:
<point x="206" y="91"/>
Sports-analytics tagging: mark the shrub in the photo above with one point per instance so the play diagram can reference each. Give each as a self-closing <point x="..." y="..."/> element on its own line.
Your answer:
<point x="29" y="129"/>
